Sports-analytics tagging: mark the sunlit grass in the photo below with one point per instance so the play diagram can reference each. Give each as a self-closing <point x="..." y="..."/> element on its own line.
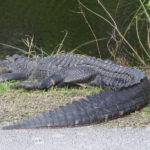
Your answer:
<point x="18" y="104"/>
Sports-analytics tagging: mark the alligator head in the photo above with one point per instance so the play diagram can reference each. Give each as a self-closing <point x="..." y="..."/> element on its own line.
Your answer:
<point x="12" y="64"/>
<point x="4" y="67"/>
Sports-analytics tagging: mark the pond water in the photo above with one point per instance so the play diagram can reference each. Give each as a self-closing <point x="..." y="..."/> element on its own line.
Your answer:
<point x="49" y="20"/>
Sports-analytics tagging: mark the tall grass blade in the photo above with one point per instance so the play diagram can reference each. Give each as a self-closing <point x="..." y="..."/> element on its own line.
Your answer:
<point x="13" y="47"/>
<point x="137" y="31"/>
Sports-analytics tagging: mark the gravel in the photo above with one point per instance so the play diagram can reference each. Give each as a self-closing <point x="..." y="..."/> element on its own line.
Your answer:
<point x="96" y="137"/>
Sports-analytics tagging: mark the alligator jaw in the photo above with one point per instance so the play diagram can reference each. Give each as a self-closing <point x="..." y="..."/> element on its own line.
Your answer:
<point x="4" y="68"/>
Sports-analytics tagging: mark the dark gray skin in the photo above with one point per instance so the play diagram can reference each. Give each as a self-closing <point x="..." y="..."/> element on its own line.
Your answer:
<point x="129" y="88"/>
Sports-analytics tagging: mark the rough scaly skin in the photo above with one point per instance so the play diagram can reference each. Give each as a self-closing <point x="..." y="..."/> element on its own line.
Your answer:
<point x="130" y="89"/>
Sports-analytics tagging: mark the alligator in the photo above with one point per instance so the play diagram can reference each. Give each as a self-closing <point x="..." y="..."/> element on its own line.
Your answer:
<point x="128" y="88"/>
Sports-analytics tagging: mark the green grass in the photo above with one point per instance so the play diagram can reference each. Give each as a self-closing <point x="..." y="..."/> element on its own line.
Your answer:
<point x="18" y="104"/>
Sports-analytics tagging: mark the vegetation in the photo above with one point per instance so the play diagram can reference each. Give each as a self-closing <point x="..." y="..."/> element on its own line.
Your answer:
<point x="141" y="16"/>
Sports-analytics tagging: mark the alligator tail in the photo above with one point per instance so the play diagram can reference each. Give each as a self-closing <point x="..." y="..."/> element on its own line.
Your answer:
<point x="99" y="107"/>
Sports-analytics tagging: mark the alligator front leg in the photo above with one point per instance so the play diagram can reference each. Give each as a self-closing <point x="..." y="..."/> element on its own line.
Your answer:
<point x="12" y="76"/>
<point x="81" y="74"/>
<point x="46" y="83"/>
<point x="25" y="85"/>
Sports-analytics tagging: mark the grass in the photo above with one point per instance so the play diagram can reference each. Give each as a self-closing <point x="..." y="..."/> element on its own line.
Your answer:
<point x="136" y="119"/>
<point x="19" y="104"/>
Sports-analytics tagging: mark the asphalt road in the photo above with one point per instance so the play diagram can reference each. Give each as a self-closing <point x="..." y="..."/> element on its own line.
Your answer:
<point x="81" y="138"/>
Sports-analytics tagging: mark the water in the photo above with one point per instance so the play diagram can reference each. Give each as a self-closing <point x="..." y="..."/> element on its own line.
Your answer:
<point x="48" y="20"/>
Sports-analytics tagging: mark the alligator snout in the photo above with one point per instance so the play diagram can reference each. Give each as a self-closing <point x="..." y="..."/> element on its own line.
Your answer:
<point x="4" y="67"/>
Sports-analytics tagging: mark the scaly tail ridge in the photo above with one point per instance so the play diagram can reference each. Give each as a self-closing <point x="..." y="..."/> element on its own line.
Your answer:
<point x="99" y="107"/>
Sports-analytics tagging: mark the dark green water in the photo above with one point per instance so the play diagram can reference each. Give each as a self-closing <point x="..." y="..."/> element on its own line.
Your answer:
<point x="47" y="19"/>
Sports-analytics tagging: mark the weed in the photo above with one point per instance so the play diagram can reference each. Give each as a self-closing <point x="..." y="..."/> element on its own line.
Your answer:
<point x="136" y="17"/>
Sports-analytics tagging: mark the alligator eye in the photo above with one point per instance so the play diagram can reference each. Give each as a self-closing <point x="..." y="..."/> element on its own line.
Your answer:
<point x="15" y="59"/>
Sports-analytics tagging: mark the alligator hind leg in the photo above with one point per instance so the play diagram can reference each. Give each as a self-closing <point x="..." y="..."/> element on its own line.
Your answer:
<point x="12" y="76"/>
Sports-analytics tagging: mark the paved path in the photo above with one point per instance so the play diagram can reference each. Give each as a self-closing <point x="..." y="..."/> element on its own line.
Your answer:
<point x="81" y="138"/>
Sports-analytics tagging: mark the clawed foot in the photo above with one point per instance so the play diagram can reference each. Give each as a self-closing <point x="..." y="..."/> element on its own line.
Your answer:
<point x="25" y="85"/>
